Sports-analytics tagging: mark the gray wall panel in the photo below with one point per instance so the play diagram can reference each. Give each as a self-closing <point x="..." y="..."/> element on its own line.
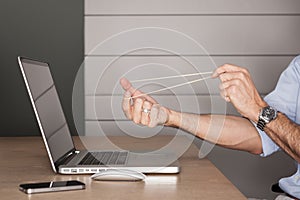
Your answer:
<point x="177" y="7"/>
<point x="224" y="35"/>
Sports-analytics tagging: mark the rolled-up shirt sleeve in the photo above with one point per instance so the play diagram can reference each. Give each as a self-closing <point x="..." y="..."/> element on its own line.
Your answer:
<point x="285" y="99"/>
<point x="268" y="146"/>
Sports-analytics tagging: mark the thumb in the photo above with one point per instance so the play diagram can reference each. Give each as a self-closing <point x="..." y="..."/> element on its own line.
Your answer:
<point x="127" y="86"/>
<point x="125" y="83"/>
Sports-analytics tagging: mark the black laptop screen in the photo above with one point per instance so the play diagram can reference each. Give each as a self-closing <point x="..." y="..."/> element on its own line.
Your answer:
<point x="47" y="107"/>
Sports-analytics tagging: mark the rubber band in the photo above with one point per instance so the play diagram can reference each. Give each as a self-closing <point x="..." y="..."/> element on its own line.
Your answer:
<point x="168" y="77"/>
<point x="171" y="87"/>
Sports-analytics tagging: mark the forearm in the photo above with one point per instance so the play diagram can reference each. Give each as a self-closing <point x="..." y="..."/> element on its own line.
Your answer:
<point x="286" y="134"/>
<point x="228" y="131"/>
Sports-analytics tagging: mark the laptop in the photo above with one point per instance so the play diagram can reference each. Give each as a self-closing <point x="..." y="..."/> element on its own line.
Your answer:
<point x="64" y="157"/>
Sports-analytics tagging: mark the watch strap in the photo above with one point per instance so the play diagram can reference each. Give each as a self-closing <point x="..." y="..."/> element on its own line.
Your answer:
<point x="266" y="115"/>
<point x="261" y="124"/>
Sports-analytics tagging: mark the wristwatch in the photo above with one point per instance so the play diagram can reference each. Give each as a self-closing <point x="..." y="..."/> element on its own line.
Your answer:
<point x="266" y="115"/>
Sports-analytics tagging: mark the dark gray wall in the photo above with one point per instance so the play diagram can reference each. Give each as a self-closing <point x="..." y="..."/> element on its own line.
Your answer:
<point x="49" y="30"/>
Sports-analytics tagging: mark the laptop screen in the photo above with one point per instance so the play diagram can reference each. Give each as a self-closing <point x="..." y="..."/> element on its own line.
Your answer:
<point x="47" y="107"/>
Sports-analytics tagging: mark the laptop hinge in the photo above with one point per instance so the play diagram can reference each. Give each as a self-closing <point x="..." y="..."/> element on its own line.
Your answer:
<point x="66" y="158"/>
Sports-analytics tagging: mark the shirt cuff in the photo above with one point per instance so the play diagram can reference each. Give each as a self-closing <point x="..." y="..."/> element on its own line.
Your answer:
<point x="268" y="145"/>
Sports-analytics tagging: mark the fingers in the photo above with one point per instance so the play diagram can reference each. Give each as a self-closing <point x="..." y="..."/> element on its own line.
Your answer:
<point x="154" y="116"/>
<point x="229" y="88"/>
<point x="137" y="110"/>
<point x="145" y="115"/>
<point x="135" y="102"/>
<point x="158" y="115"/>
<point x="230" y="76"/>
<point x="126" y="105"/>
<point x="141" y="110"/>
<point x="134" y="110"/>
<point x="228" y="68"/>
<point x="224" y="95"/>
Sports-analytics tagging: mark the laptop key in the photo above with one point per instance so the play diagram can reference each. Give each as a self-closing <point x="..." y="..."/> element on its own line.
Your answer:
<point x="106" y="157"/>
<point x="122" y="158"/>
<point x="114" y="158"/>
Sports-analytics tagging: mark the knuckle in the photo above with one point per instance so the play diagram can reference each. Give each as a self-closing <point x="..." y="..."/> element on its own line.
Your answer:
<point x="127" y="94"/>
<point x="156" y="106"/>
<point x="136" y="118"/>
<point x="136" y="121"/>
<point x="152" y="124"/>
<point x="232" y="89"/>
<point x="147" y="104"/>
<point x="221" y="86"/>
<point x="236" y="82"/>
<point x="143" y="122"/>
<point x="125" y="107"/>
<point x="221" y="76"/>
<point x="242" y="75"/>
<point x="239" y="74"/>
<point x="223" y="93"/>
<point x="139" y="100"/>
<point x="246" y="71"/>
<point x="226" y="65"/>
<point x="128" y="116"/>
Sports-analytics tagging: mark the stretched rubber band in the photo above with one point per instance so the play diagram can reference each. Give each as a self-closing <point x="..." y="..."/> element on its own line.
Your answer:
<point x="169" y="77"/>
<point x="171" y="87"/>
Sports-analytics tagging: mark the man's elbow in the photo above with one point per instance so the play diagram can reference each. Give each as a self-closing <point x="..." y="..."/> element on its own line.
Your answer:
<point x="256" y="151"/>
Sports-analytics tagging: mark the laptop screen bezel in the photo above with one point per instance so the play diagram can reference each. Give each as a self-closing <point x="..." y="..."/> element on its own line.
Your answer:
<point x="57" y="163"/>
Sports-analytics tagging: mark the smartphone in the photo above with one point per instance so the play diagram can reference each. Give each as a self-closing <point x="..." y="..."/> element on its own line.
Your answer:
<point x="54" y="186"/>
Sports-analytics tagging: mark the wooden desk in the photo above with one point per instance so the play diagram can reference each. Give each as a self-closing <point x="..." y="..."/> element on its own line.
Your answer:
<point x="24" y="159"/>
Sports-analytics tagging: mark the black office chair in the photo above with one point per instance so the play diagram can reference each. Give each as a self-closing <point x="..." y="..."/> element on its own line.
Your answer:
<point x="275" y="188"/>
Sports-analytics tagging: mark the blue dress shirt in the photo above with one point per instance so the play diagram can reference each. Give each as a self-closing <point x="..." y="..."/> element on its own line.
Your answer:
<point x="286" y="99"/>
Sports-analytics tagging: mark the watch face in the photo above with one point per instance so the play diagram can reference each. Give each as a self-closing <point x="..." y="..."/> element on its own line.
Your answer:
<point x="269" y="113"/>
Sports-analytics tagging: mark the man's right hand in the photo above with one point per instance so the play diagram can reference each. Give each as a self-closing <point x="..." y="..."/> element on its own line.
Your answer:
<point x="238" y="88"/>
<point x="142" y="108"/>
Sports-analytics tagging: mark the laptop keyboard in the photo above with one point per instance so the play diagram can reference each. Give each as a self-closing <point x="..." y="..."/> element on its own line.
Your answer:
<point x="105" y="158"/>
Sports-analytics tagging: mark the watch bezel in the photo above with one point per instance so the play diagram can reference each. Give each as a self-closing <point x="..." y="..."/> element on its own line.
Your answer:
<point x="268" y="114"/>
<point x="265" y="116"/>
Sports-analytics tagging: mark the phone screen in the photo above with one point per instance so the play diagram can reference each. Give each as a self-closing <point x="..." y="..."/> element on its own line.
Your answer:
<point x="54" y="186"/>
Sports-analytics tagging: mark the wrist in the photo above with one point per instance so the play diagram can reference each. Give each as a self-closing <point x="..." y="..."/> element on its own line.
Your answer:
<point x="254" y="116"/>
<point x="173" y="118"/>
